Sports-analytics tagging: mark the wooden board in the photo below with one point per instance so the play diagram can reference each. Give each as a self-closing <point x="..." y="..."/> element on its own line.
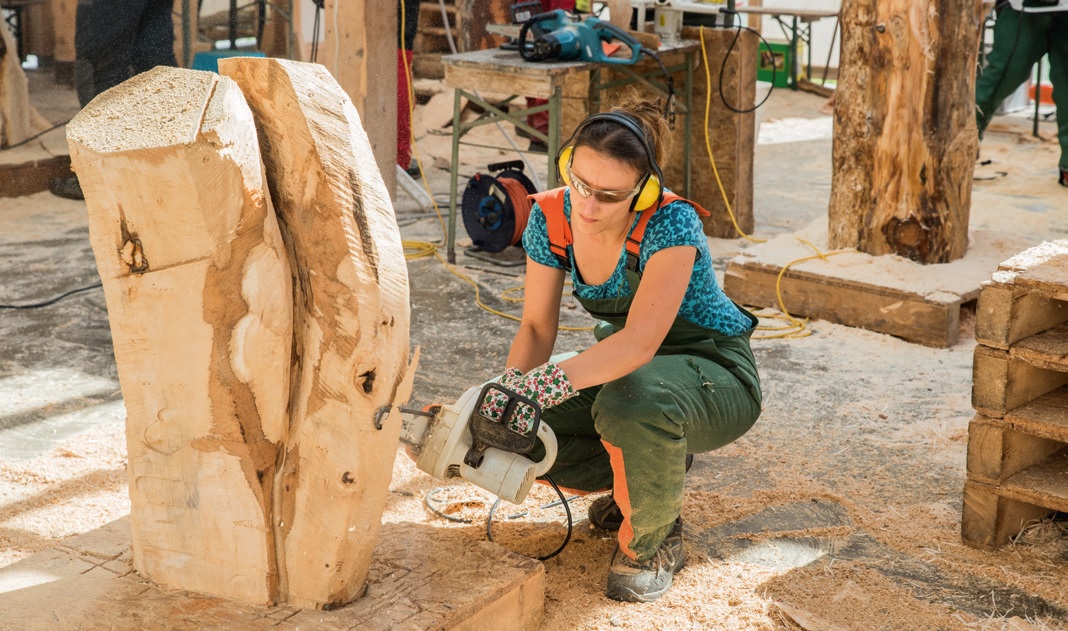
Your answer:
<point x="1046" y="416"/>
<point x="1003" y="380"/>
<point x="732" y="135"/>
<point x="1026" y="295"/>
<point x="998" y="450"/>
<point x="887" y="294"/>
<point x="1044" y="484"/>
<point x="1006" y="314"/>
<point x="63" y="18"/>
<point x="198" y="290"/>
<point x="421" y="577"/>
<point x="929" y="320"/>
<point x="351" y="323"/>
<point x="1050" y="277"/>
<point x="989" y="520"/>
<point x="358" y="36"/>
<point x="32" y="176"/>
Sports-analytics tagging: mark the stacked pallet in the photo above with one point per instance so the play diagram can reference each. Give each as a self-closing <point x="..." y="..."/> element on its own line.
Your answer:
<point x="1018" y="441"/>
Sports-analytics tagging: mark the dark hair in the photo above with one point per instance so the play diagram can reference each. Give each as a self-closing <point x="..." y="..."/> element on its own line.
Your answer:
<point x="619" y="142"/>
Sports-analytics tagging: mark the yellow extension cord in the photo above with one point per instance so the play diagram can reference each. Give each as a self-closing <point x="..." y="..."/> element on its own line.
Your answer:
<point x="422" y="249"/>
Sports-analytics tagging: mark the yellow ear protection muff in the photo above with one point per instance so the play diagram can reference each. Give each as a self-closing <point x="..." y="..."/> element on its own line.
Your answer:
<point x="652" y="191"/>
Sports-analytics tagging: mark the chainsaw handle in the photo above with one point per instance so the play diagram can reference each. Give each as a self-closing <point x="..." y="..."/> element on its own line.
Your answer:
<point x="614" y="32"/>
<point x="548" y="440"/>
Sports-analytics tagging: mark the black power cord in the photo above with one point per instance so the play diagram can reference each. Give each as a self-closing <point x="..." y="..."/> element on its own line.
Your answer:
<point x="319" y="6"/>
<point x="52" y="301"/>
<point x="723" y="67"/>
<point x="567" y="509"/>
<point x="36" y="136"/>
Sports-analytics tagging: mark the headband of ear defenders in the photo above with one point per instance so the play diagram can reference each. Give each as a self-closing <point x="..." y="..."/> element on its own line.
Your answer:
<point x="652" y="191"/>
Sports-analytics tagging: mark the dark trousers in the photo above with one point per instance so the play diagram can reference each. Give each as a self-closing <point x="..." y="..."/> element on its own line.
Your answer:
<point x="1020" y="40"/>
<point x="117" y="39"/>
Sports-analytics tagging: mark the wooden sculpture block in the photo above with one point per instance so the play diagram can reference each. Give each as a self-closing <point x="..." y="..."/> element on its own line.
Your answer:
<point x="252" y="352"/>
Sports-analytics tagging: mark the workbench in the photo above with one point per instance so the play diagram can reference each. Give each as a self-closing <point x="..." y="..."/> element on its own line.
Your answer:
<point x="796" y="25"/>
<point x="580" y="85"/>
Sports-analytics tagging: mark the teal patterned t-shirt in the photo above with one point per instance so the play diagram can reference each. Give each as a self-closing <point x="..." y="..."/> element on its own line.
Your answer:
<point x="671" y="225"/>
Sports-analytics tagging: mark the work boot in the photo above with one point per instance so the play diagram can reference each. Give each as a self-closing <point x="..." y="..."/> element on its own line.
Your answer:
<point x="66" y="187"/>
<point x="604" y="512"/>
<point x="645" y="581"/>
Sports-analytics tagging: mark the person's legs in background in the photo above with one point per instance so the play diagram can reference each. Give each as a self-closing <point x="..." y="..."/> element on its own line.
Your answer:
<point x="1019" y="42"/>
<point x="407" y="27"/>
<point x="1058" y="76"/>
<point x="154" y="40"/>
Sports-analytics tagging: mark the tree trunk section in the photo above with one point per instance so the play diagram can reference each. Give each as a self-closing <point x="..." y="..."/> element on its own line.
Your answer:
<point x="351" y="322"/>
<point x="255" y="340"/>
<point x="905" y="138"/>
<point x="198" y="291"/>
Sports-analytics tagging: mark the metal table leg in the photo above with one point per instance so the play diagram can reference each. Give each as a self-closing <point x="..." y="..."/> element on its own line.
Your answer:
<point x="453" y="174"/>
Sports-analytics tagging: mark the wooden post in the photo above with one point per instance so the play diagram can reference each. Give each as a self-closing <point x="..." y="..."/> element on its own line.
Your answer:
<point x="360" y="49"/>
<point x="253" y="351"/>
<point x="63" y="16"/>
<point x="905" y="138"/>
<point x="731" y="134"/>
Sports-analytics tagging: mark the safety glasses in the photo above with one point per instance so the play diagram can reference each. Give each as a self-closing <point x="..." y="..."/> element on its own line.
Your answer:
<point x="605" y="197"/>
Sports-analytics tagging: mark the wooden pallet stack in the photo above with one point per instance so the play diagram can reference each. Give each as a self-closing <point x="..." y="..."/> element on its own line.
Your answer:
<point x="1018" y="441"/>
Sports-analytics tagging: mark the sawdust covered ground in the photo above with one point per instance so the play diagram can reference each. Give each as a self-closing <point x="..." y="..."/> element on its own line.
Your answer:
<point x="839" y="510"/>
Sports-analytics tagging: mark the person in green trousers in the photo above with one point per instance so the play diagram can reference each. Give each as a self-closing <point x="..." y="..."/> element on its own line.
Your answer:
<point x="1024" y="31"/>
<point x="671" y="372"/>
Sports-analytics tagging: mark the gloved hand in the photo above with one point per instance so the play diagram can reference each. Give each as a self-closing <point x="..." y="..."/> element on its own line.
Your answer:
<point x="547" y="385"/>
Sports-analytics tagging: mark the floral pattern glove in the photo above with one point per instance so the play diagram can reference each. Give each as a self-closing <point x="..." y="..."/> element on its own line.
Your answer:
<point x="495" y="402"/>
<point x="547" y="385"/>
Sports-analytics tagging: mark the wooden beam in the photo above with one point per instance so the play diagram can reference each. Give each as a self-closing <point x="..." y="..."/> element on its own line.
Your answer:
<point x="732" y="135"/>
<point x="990" y="520"/>
<point x="63" y="17"/>
<point x="998" y="450"/>
<point x="351" y="324"/>
<point x="1005" y="380"/>
<point x="359" y="49"/>
<point x="198" y="290"/>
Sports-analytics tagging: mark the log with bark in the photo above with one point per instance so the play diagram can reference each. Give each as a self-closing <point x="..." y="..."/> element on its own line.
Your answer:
<point x="905" y="137"/>
<point x="253" y="349"/>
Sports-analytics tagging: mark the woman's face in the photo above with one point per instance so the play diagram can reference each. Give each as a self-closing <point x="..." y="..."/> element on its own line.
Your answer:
<point x="602" y="189"/>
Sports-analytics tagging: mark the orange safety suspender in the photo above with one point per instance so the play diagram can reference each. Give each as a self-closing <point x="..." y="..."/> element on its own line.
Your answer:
<point x="551" y="203"/>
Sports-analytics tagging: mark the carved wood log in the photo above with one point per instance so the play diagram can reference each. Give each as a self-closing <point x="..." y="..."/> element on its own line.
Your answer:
<point x="18" y="119"/>
<point x="253" y="355"/>
<point x="351" y="322"/>
<point x="905" y="138"/>
<point x="199" y="298"/>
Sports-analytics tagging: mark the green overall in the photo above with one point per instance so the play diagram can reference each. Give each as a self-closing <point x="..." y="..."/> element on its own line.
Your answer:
<point x="700" y="392"/>
<point x="1020" y="40"/>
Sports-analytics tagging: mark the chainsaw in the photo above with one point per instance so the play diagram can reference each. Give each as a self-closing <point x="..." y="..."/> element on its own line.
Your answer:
<point x="561" y="36"/>
<point x="457" y="441"/>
